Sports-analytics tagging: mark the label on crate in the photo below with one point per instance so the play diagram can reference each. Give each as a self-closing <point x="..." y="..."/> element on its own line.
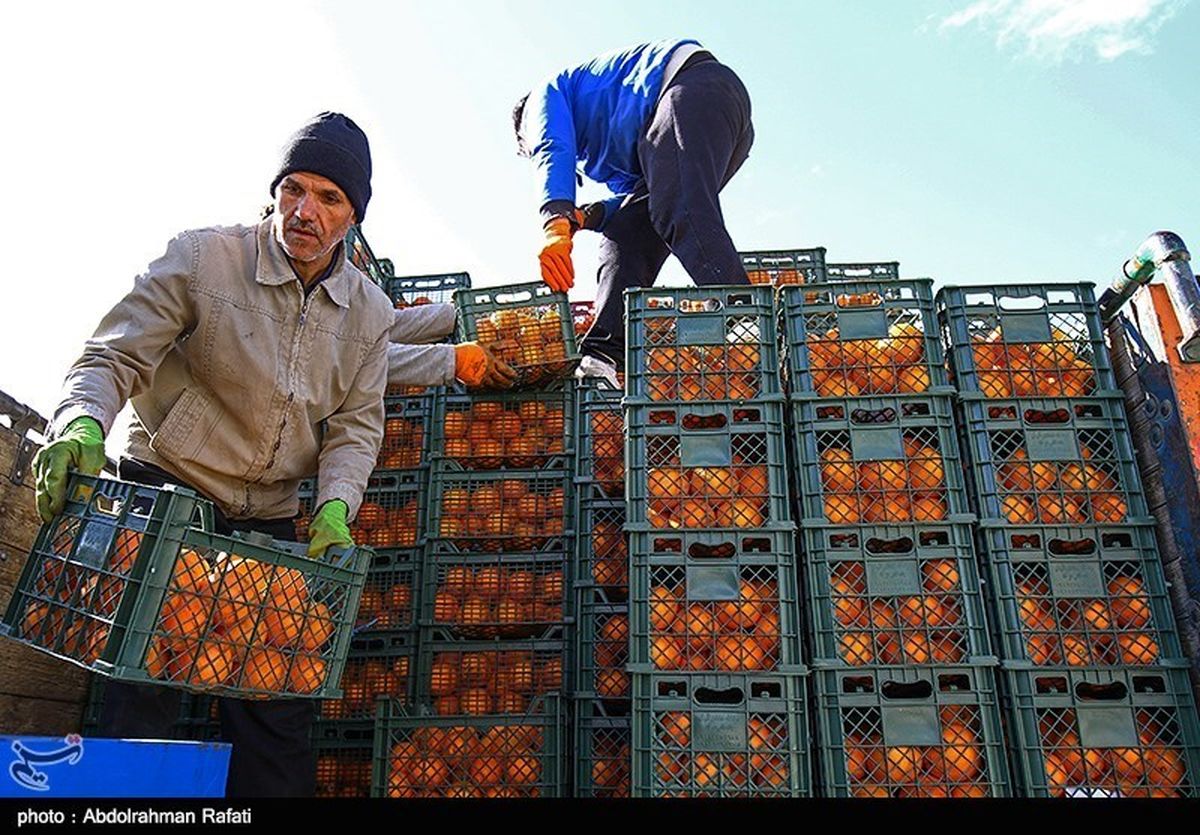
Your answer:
<point x="1052" y="445"/>
<point x="702" y="330"/>
<point x="713" y="583"/>
<point x="1106" y="727"/>
<point x="718" y="731"/>
<point x="1025" y="327"/>
<point x="1083" y="579"/>
<point x="883" y="444"/>
<point x="862" y="324"/>
<point x="893" y="579"/>
<point x="701" y="451"/>
<point x="94" y="541"/>
<point x="916" y="725"/>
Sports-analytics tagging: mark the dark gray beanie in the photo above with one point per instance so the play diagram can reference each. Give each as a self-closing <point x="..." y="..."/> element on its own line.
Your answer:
<point x="332" y="146"/>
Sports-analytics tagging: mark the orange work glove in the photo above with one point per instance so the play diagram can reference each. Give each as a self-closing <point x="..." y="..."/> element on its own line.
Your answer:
<point x="557" y="270"/>
<point x="475" y="365"/>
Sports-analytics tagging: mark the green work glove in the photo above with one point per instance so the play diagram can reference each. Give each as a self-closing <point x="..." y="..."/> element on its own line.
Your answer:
<point x="329" y="527"/>
<point x="80" y="447"/>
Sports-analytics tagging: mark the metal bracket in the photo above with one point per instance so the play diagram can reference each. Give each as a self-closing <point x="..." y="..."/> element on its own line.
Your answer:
<point x="23" y="419"/>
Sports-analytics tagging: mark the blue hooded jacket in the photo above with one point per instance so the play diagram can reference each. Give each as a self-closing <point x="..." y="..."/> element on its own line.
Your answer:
<point x="595" y="113"/>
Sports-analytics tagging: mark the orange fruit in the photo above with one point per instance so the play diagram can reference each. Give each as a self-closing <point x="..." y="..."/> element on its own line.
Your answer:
<point x="883" y="616"/>
<point x="245" y="580"/>
<point x="183" y="615"/>
<point x="916" y="648"/>
<point x="1076" y="651"/>
<point x="157" y="656"/>
<point x="1043" y="649"/>
<point x="675" y="729"/>
<point x="282" y="628"/>
<point x="1018" y="510"/>
<point x="850" y="611"/>
<point x="848" y="578"/>
<point x="903" y="764"/>
<point x="888" y="649"/>
<point x="841" y="509"/>
<point x="265" y="669"/>
<point x="1164" y="767"/>
<point x="753" y="481"/>
<point x="307" y="674"/>
<point x="318" y="628"/>
<point x="1109" y="507"/>
<point x="214" y="664"/>
<point x="1036" y="615"/>
<point x="929" y="508"/>
<point x="864" y="765"/>
<point x="939" y="575"/>
<point x="837" y="470"/>
<point x="666" y="653"/>
<point x="947" y="648"/>
<point x="747" y="513"/>
<point x="1138" y="648"/>
<point x="191" y="572"/>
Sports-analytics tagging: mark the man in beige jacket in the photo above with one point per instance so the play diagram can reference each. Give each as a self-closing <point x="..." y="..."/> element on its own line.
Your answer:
<point x="254" y="357"/>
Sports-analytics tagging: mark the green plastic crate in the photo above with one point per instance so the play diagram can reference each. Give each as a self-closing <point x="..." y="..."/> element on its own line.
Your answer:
<point x="602" y="651"/>
<point x="345" y="757"/>
<point x="861" y="338"/>
<point x="602" y="759"/>
<point x="499" y="511"/>
<point x="602" y="550"/>
<point x="786" y="266"/>
<point x="416" y="290"/>
<point x="895" y="595"/>
<point x="529" y="326"/>
<point x="600" y="428"/>
<point x="407" y="433"/>
<point x="863" y="271"/>
<point x="706" y="465"/>
<point x="1053" y="461"/>
<point x="360" y="254"/>
<point x="521" y="755"/>
<point x="1129" y="732"/>
<point x="721" y="736"/>
<point x="119" y="584"/>
<point x="583" y="314"/>
<point x="878" y="460"/>
<point x="1026" y="340"/>
<point x="380" y="665"/>
<point x="391" y="594"/>
<point x="497" y="595"/>
<point x="927" y="732"/>
<point x="1089" y="596"/>
<point x="391" y="515"/>
<point x="701" y="343"/>
<point x="714" y="601"/>
<point x="527" y="430"/>
<point x="197" y="718"/>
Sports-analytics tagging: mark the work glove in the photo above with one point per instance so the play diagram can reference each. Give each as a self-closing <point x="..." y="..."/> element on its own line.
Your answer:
<point x="80" y="447"/>
<point x="329" y="527"/>
<point x="557" y="270"/>
<point x="476" y="366"/>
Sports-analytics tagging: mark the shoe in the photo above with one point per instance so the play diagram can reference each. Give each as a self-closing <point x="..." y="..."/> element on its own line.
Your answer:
<point x="591" y="366"/>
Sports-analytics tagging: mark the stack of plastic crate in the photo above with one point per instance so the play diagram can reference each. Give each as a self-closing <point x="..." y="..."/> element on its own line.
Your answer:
<point x="719" y="705"/>
<point x="601" y="702"/>
<point x="783" y="267"/>
<point x="1094" y="678"/>
<point x="904" y="672"/>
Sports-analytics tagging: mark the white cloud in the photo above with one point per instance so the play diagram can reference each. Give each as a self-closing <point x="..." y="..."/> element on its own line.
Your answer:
<point x="817" y="170"/>
<point x="1059" y="29"/>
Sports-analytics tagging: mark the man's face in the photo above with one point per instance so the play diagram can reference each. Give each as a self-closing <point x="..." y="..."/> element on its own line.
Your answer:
<point x="312" y="215"/>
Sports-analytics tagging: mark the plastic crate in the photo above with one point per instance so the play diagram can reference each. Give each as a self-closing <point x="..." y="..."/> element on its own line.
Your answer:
<point x="390" y="516"/>
<point x="529" y="326"/>
<point x="197" y="718"/>
<point x="530" y="430"/>
<point x="1053" y="462"/>
<point x="878" y="460"/>
<point x="406" y="433"/>
<point x="582" y="315"/>
<point x="470" y="756"/>
<point x="863" y="271"/>
<point x="121" y="584"/>
<point x="344" y="753"/>
<point x="701" y="343"/>
<point x="1104" y="733"/>
<point x="390" y="594"/>
<point x="380" y="665"/>
<point x="857" y="338"/>
<point x="416" y="290"/>
<point x="496" y="512"/>
<point x="1080" y="596"/>
<point x="706" y="465"/>
<point x="895" y="595"/>
<point x="925" y="732"/>
<point x="720" y="736"/>
<point x="489" y="676"/>
<point x="602" y="549"/>
<point x="360" y="255"/>
<point x="600" y="428"/>
<point x="497" y="595"/>
<point x="782" y="267"/>
<point x="601" y="749"/>
<point x="602" y="651"/>
<point x="704" y="601"/>
<point x="1026" y="340"/>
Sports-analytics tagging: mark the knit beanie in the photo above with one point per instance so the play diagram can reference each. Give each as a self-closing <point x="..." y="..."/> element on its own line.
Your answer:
<point x="334" y="147"/>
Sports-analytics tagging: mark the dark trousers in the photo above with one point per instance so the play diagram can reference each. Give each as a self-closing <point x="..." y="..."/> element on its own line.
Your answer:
<point x="272" y="753"/>
<point x="696" y="140"/>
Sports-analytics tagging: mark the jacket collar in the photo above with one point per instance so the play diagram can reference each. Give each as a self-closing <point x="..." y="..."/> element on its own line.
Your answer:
<point x="274" y="269"/>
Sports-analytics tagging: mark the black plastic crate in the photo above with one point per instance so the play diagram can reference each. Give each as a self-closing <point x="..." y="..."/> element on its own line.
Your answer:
<point x="390" y="595"/>
<point x="1053" y="462"/>
<point x="779" y="268"/>
<point x="497" y="595"/>
<point x="721" y="736"/>
<point x="469" y="756"/>
<point x="600" y="428"/>
<point x="416" y="290"/>
<point x="714" y="601"/>
<point x="529" y="326"/>
<point x="602" y="651"/>
<point x="707" y="465"/>
<point x="488" y="677"/>
<point x="861" y="338"/>
<point x="701" y="343"/>
<point x="1026" y="340"/>
<point x="863" y="271"/>
<point x="601" y="747"/>
<point x="528" y="430"/>
<point x="926" y="732"/>
<point x="406" y="433"/>
<point x="499" y="512"/>
<point x="878" y="460"/>
<point x="602" y="549"/>
<point x="380" y="665"/>
<point x="895" y="595"/>
<point x="1104" y="733"/>
<point x="390" y="515"/>
<point x="1080" y="596"/>
<point x="344" y="753"/>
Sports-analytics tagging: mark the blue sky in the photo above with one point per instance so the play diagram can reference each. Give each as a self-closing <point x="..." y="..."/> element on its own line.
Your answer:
<point x="1002" y="140"/>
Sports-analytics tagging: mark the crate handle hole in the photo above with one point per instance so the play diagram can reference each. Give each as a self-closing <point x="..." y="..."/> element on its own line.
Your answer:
<point x="723" y="551"/>
<point x="1072" y="547"/>
<point x="1025" y="542"/>
<point x="1040" y="416"/>
<point x="695" y="422"/>
<point x="930" y="539"/>
<point x="1005" y="412"/>
<point x="906" y="690"/>
<point x="1050" y="684"/>
<point x="667" y="545"/>
<point x="1021" y="303"/>
<point x="1113" y="692"/>
<point x="899" y="545"/>
<point x="756" y="545"/>
<point x="747" y="416"/>
<point x="859" y="300"/>
<point x="1149" y="684"/>
<point x="514" y="298"/>
<point x="1116" y="540"/>
<point x="873" y="416"/>
<point x="766" y="690"/>
<point x="844" y="541"/>
<point x="1088" y="410"/>
<point x="858" y="684"/>
<point x="672" y="688"/>
<point x="107" y="505"/>
<point x="662" y="417"/>
<point x="726" y="696"/>
<point x="954" y="683"/>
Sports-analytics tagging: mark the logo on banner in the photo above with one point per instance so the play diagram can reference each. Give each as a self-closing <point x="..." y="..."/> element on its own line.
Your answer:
<point x="24" y="770"/>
